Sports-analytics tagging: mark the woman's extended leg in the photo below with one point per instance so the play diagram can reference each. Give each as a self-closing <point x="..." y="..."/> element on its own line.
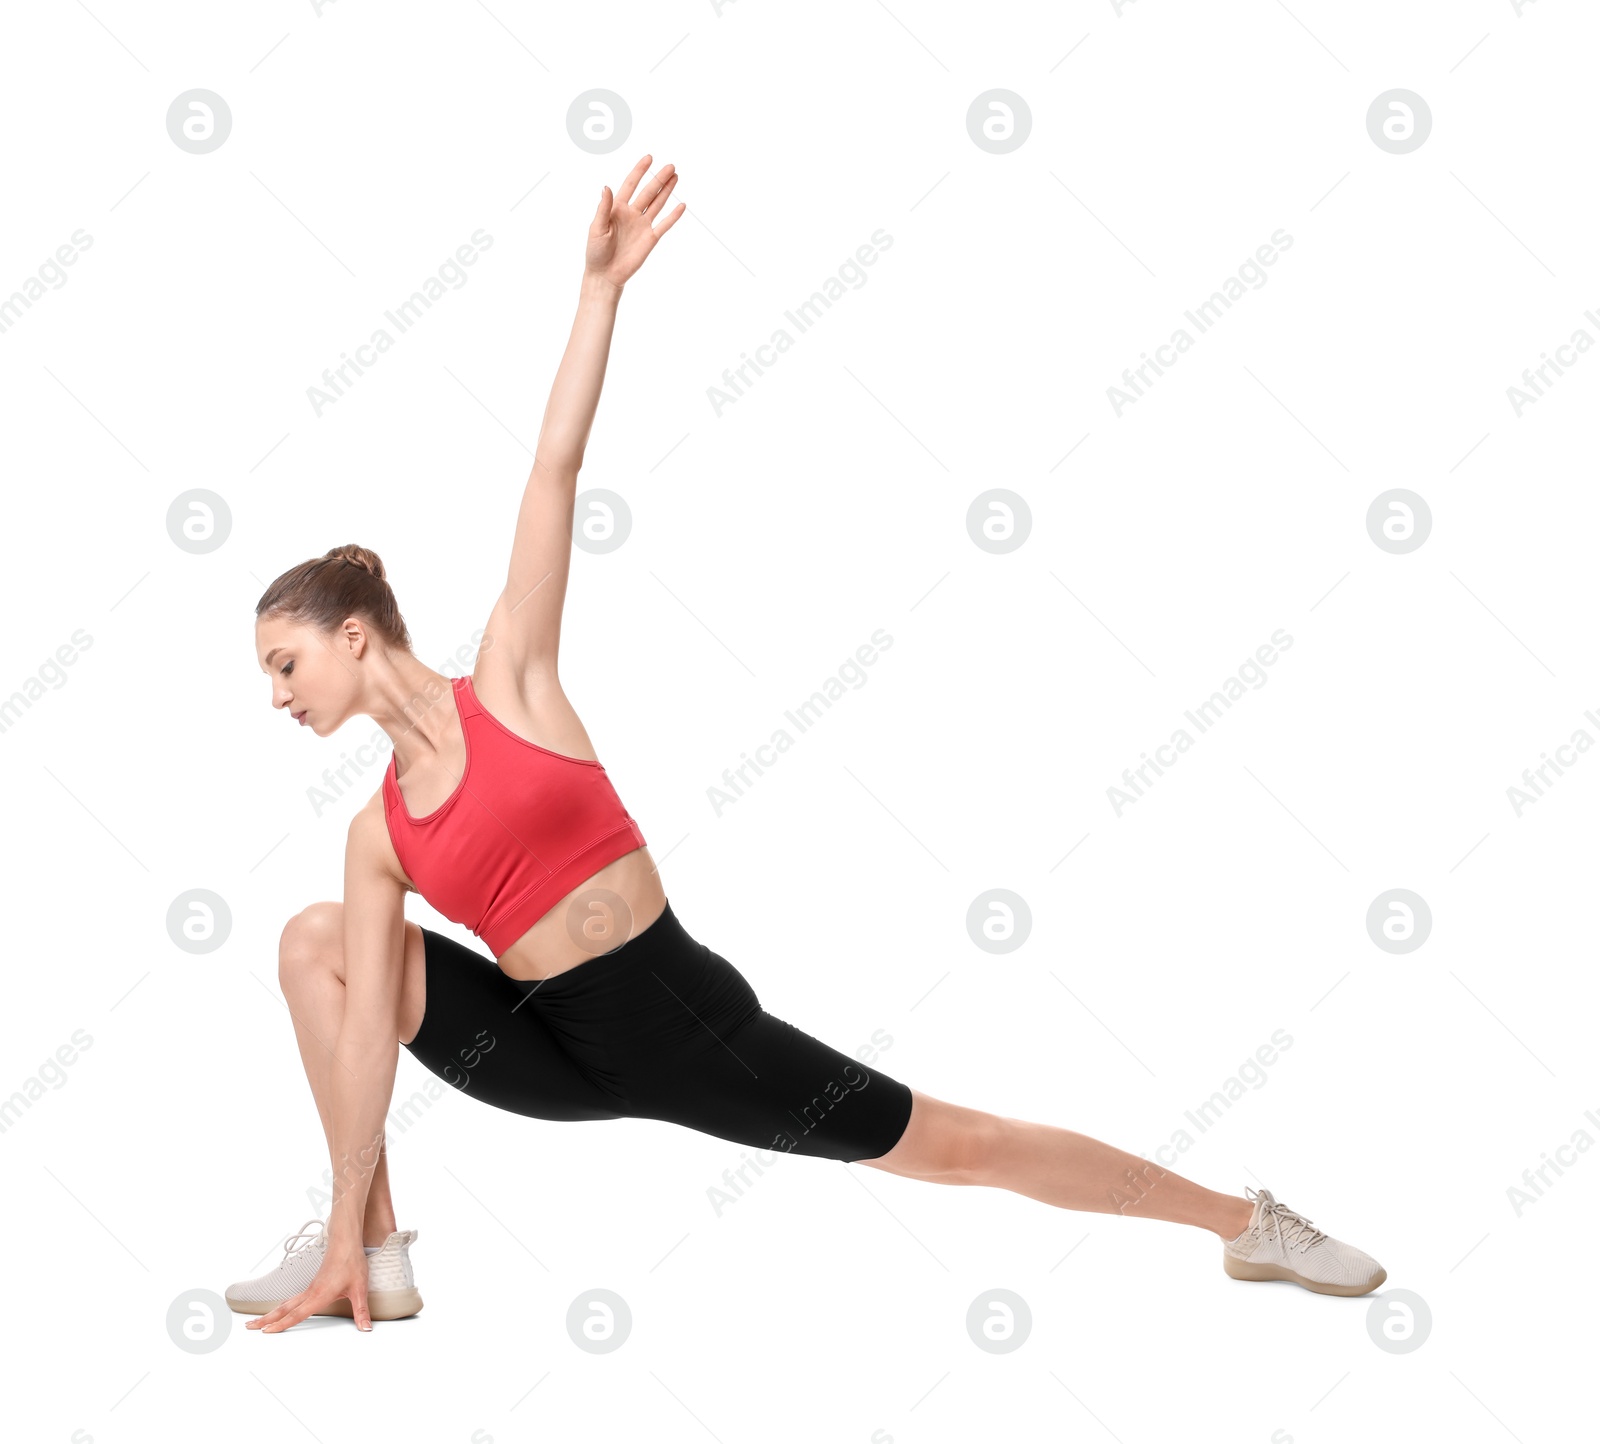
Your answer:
<point x="946" y="1143"/>
<point x="311" y="974"/>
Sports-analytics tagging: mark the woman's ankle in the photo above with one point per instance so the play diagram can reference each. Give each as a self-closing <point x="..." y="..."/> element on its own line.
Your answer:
<point x="377" y="1226"/>
<point x="1234" y="1219"/>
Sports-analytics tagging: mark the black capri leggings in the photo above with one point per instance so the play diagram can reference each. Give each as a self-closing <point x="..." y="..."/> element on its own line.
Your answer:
<point x="661" y="1027"/>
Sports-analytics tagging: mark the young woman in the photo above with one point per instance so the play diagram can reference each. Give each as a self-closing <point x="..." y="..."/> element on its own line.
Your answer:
<point x="598" y="1002"/>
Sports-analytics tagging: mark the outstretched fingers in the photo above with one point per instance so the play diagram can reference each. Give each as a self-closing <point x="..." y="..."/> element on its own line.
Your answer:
<point x="625" y="190"/>
<point x="269" y="1321"/>
<point x="670" y="221"/>
<point x="308" y="1302"/>
<point x="652" y="210"/>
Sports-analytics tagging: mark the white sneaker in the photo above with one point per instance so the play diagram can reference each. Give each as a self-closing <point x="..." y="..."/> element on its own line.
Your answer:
<point x="1278" y="1243"/>
<point x="391" y="1285"/>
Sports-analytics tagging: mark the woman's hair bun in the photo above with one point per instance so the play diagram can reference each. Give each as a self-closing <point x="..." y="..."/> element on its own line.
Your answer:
<point x="321" y="593"/>
<point x="361" y="556"/>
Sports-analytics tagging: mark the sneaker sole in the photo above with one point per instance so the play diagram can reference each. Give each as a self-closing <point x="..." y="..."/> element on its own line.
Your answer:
<point x="384" y="1304"/>
<point x="1266" y="1273"/>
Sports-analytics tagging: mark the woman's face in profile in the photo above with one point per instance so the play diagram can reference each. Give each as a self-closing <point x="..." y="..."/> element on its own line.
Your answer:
<point x="314" y="678"/>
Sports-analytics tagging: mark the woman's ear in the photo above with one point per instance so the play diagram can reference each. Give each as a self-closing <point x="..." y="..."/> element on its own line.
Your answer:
<point x="355" y="636"/>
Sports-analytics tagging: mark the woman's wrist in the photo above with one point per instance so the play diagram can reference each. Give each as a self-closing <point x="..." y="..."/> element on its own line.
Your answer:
<point x="596" y="287"/>
<point x="344" y="1224"/>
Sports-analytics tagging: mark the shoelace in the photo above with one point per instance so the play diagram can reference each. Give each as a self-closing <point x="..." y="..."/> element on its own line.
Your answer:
<point x="308" y="1236"/>
<point x="1291" y="1227"/>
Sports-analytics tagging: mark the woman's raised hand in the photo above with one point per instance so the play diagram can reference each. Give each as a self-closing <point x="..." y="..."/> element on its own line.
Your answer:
<point x="624" y="231"/>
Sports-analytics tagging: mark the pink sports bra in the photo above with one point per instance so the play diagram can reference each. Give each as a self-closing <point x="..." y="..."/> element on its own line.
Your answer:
<point x="523" y="828"/>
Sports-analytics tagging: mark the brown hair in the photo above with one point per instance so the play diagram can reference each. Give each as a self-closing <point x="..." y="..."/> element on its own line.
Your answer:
<point x="345" y="581"/>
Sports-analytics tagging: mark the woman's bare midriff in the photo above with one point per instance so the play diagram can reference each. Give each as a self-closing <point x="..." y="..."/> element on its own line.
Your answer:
<point x="579" y="928"/>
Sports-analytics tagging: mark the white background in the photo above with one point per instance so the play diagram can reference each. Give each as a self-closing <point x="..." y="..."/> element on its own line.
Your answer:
<point x="767" y="545"/>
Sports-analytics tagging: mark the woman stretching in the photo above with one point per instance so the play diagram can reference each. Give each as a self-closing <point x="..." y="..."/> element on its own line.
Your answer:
<point x="597" y="1002"/>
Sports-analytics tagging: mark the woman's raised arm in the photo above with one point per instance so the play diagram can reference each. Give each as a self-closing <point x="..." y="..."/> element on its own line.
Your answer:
<point x="526" y="622"/>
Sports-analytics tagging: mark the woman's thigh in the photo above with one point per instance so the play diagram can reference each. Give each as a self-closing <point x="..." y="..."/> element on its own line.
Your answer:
<point x="675" y="1032"/>
<point x="480" y="1035"/>
<point x="771" y="1085"/>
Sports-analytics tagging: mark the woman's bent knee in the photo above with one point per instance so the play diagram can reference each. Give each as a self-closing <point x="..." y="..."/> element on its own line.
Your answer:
<point x="312" y="939"/>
